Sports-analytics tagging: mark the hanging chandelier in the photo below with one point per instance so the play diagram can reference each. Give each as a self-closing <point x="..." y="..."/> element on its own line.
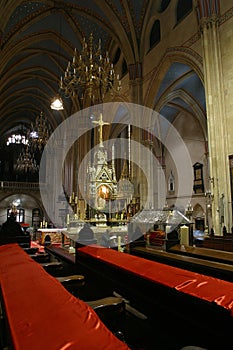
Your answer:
<point x="90" y="75"/>
<point x="40" y="132"/>
<point x="17" y="139"/>
<point x="26" y="162"/>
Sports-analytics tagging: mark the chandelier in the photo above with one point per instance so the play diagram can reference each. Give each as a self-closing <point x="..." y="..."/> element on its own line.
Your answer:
<point x="90" y="75"/>
<point x="17" y="139"/>
<point x="26" y="162"/>
<point x="40" y="132"/>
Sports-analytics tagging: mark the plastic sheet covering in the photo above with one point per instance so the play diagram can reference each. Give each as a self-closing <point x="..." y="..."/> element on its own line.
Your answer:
<point x="147" y="218"/>
<point x="42" y="314"/>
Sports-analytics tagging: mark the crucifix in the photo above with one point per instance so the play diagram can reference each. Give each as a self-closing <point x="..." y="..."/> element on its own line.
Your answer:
<point x="101" y="123"/>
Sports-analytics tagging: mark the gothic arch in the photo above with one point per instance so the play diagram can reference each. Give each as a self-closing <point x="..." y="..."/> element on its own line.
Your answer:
<point x="177" y="54"/>
<point x="198" y="211"/>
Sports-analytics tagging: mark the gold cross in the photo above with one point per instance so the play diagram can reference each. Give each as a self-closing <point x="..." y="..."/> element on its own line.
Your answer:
<point x="101" y="123"/>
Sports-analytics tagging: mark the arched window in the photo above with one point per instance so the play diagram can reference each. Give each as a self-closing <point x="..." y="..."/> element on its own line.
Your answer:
<point x="155" y="34"/>
<point x="19" y="214"/>
<point x="36" y="217"/>
<point x="163" y="5"/>
<point x="183" y="8"/>
<point x="171" y="182"/>
<point x="117" y="56"/>
<point x="124" y="67"/>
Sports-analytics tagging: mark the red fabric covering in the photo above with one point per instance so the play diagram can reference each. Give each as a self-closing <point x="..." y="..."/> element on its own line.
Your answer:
<point x="37" y="245"/>
<point x="195" y="284"/>
<point x="42" y="314"/>
<point x="24" y="224"/>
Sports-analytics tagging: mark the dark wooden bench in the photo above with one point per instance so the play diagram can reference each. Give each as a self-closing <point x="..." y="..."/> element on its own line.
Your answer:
<point x="203" y="253"/>
<point x="111" y="310"/>
<point x="52" y="266"/>
<point x="23" y="241"/>
<point x="46" y="316"/>
<point x="72" y="283"/>
<point x="195" y="264"/>
<point x="184" y="302"/>
<point x="40" y="257"/>
<point x="31" y="250"/>
<point x="61" y="254"/>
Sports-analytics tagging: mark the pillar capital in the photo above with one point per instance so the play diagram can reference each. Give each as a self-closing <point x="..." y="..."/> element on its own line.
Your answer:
<point x="208" y="13"/>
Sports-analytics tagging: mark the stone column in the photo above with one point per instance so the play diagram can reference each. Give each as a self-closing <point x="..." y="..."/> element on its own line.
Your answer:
<point x="135" y="85"/>
<point x="216" y="116"/>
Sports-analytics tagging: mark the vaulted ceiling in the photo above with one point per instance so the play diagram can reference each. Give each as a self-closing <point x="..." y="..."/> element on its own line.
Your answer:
<point x="37" y="39"/>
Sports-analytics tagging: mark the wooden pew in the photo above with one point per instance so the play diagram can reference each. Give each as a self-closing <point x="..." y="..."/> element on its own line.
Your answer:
<point x="196" y="264"/>
<point x="203" y="253"/>
<point x="24" y="240"/>
<point x="41" y="314"/>
<point x="217" y="242"/>
<point x="199" y="305"/>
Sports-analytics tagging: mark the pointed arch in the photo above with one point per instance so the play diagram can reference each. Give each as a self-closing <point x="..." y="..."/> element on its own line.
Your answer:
<point x="176" y="54"/>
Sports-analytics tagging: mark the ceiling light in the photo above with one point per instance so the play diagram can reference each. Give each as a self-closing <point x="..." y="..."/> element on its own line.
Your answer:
<point x="57" y="103"/>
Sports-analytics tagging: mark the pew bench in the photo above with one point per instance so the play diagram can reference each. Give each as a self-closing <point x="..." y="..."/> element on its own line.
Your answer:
<point x="203" y="253"/>
<point x="72" y="283"/>
<point x="106" y="302"/>
<point x="203" y="266"/>
<point x="52" y="267"/>
<point x="23" y="241"/>
<point x="178" y="299"/>
<point x="31" y="250"/>
<point x="40" y="257"/>
<point x="111" y="310"/>
<point x="40" y="314"/>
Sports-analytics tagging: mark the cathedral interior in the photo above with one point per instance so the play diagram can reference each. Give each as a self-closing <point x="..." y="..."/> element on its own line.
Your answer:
<point x="117" y="114"/>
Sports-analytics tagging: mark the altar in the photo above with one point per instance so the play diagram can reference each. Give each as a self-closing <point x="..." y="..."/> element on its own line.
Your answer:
<point x="100" y="233"/>
<point x="55" y="235"/>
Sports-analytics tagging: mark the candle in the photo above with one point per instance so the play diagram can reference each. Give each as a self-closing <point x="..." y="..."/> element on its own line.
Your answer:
<point x="119" y="243"/>
<point x="67" y="219"/>
<point x="184" y="235"/>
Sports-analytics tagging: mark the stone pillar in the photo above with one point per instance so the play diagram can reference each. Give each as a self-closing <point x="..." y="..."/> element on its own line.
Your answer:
<point x="208" y="18"/>
<point x="135" y="85"/>
<point x="135" y="82"/>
